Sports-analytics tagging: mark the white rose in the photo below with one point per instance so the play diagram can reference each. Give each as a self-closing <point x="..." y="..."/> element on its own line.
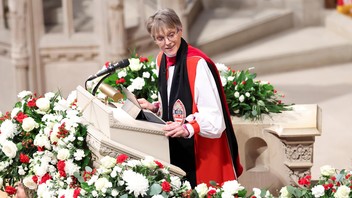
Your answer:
<point x="42" y="140"/>
<point x="241" y="99"/>
<point x="175" y="182"/>
<point x="148" y="161"/>
<point x="230" y="78"/>
<point x="223" y="81"/>
<point x="257" y="192"/>
<point x="122" y="73"/>
<point x="114" y="193"/>
<point x="23" y="94"/>
<point x="108" y="162"/>
<point x="342" y="192"/>
<point x="43" y="104"/>
<point x="202" y="189"/>
<point x="237" y="94"/>
<point x="318" y="191"/>
<point x="146" y="75"/>
<point x="54" y="136"/>
<point x="49" y="95"/>
<point x="14" y="112"/>
<point x="29" y="124"/>
<point x="135" y="64"/>
<point x="63" y="154"/>
<point x="327" y="170"/>
<point x="284" y="193"/>
<point x="138" y="83"/>
<point x="9" y="148"/>
<point x="226" y="195"/>
<point x="247" y="94"/>
<point x="29" y="183"/>
<point x="102" y="184"/>
<point x="232" y="187"/>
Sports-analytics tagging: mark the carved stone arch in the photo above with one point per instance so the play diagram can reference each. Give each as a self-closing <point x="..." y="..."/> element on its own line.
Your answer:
<point x="257" y="155"/>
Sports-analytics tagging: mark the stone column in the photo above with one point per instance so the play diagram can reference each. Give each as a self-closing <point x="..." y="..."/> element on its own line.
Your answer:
<point x="19" y="51"/>
<point x="2" y="15"/>
<point x="306" y="12"/>
<point x="116" y="30"/>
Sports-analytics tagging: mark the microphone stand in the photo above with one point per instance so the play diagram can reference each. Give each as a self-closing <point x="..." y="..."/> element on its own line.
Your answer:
<point x="95" y="89"/>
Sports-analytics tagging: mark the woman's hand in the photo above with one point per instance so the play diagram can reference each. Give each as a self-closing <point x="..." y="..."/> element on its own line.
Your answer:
<point x="145" y="104"/>
<point x="174" y="129"/>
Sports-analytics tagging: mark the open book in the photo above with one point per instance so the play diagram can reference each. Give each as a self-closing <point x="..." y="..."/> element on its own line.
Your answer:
<point x="134" y="109"/>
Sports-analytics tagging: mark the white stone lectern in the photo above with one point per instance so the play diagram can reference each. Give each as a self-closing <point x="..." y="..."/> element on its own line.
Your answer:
<point x="111" y="131"/>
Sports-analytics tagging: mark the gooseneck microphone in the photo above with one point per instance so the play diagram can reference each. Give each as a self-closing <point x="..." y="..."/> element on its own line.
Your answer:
<point x="111" y="68"/>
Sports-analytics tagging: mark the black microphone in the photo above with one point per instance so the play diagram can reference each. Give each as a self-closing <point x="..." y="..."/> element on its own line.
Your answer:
<point x="111" y="68"/>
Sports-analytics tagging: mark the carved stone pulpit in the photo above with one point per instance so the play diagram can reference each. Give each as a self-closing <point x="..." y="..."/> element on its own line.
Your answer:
<point x="111" y="131"/>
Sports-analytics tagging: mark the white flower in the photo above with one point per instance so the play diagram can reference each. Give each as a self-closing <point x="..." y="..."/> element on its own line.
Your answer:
<point x="114" y="193"/>
<point x="187" y="185"/>
<point x="241" y="98"/>
<point x="202" y="189"/>
<point x="29" y="183"/>
<point x="237" y="94"/>
<point x="42" y="140"/>
<point x="247" y="94"/>
<point x="132" y="163"/>
<point x="342" y="192"/>
<point x="1" y="114"/>
<point x="327" y="170"/>
<point x="226" y="195"/>
<point x="175" y="182"/>
<point x="21" y="171"/>
<point x="135" y="65"/>
<point x="102" y="184"/>
<point x="157" y="196"/>
<point x="23" y="94"/>
<point x="1" y="182"/>
<point x="135" y="183"/>
<point x="29" y="124"/>
<point x="8" y="130"/>
<point x="146" y="75"/>
<point x="221" y="67"/>
<point x="63" y="154"/>
<point x="108" y="162"/>
<point x="14" y="112"/>
<point x="154" y="96"/>
<point x="79" y="154"/>
<point x="71" y="167"/>
<point x="122" y="73"/>
<point x="49" y="95"/>
<point x="223" y="81"/>
<point x="138" y="83"/>
<point x="232" y="187"/>
<point x="43" y="104"/>
<point x="54" y="135"/>
<point x="230" y="78"/>
<point x="148" y="161"/>
<point x="284" y="193"/>
<point x="9" y="148"/>
<point x="318" y="191"/>
<point x="257" y="192"/>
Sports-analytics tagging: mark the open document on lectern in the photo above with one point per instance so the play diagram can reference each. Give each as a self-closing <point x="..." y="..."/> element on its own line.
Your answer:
<point x="134" y="109"/>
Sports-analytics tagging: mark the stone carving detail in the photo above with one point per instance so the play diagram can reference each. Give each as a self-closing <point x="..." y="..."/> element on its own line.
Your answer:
<point x="299" y="152"/>
<point x="78" y="55"/>
<point x="296" y="174"/>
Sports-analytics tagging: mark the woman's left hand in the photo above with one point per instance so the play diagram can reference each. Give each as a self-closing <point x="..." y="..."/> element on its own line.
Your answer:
<point x="174" y="129"/>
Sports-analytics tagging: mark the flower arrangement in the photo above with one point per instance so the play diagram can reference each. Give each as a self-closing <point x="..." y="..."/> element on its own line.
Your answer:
<point x="332" y="183"/>
<point x="42" y="140"/>
<point x="247" y="97"/>
<point x="139" y="78"/>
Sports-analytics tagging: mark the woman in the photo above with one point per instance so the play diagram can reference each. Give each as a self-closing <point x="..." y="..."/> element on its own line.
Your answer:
<point x="192" y="101"/>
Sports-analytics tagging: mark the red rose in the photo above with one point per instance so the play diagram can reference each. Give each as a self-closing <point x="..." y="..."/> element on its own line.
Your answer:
<point x="165" y="186"/>
<point x="45" y="178"/>
<point x="10" y="190"/>
<point x="159" y="164"/>
<point x="35" y="178"/>
<point x="76" y="192"/>
<point x="121" y="158"/>
<point x="211" y="192"/>
<point x="234" y="83"/>
<point x="143" y="59"/>
<point x="243" y="82"/>
<point x="24" y="158"/>
<point x="61" y="168"/>
<point x="40" y="148"/>
<point x="31" y="103"/>
<point x="20" y="116"/>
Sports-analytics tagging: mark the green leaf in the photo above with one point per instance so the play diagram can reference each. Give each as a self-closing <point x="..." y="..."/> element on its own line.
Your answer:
<point x="155" y="189"/>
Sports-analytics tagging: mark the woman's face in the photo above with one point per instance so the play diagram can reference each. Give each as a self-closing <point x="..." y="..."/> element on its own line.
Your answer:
<point x="169" y="40"/>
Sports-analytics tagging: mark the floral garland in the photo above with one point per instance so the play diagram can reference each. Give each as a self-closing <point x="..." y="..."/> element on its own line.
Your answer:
<point x="43" y="146"/>
<point x="246" y="97"/>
